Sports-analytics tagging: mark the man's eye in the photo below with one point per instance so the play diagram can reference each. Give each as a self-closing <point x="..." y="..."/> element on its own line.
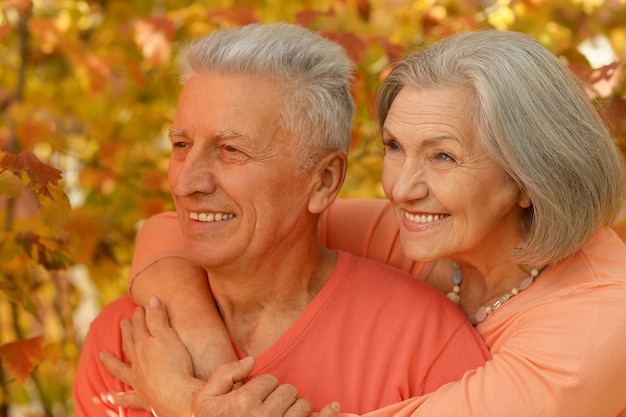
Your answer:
<point x="233" y="154"/>
<point x="180" y="145"/>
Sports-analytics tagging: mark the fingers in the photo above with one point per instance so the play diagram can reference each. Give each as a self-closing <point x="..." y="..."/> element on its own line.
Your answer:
<point x="139" y="327"/>
<point x="301" y="408"/>
<point x="126" y="400"/>
<point x="227" y="375"/>
<point x="284" y="401"/>
<point x="156" y="319"/>
<point x="264" y="391"/>
<point x="128" y="344"/>
<point x="330" y="410"/>
<point x="119" y="369"/>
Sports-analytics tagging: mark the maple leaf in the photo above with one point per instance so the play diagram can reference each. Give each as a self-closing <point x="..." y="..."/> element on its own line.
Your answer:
<point x="21" y="356"/>
<point x="43" y="251"/>
<point x="40" y="174"/>
<point x="55" y="212"/>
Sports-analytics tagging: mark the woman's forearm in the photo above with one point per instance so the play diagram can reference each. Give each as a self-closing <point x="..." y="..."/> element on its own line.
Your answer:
<point x="183" y="288"/>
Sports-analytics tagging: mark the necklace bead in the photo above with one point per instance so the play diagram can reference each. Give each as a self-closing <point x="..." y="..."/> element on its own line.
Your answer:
<point x="484" y="311"/>
<point x="457" y="277"/>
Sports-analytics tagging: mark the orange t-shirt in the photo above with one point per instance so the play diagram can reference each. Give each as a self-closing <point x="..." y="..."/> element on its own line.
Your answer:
<point x="373" y="336"/>
<point x="558" y="348"/>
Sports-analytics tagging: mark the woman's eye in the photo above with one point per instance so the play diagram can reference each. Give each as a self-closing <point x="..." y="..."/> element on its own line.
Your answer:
<point x="443" y="156"/>
<point x="392" y="146"/>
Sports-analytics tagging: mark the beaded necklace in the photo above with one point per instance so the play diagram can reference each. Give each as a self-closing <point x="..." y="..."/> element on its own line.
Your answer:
<point x="484" y="311"/>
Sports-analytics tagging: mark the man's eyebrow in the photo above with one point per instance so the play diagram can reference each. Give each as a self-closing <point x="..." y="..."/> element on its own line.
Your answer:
<point x="177" y="132"/>
<point x="217" y="135"/>
<point x="231" y="135"/>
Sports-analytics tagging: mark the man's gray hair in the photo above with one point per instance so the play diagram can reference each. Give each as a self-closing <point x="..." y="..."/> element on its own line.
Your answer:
<point x="537" y="123"/>
<point x="315" y="74"/>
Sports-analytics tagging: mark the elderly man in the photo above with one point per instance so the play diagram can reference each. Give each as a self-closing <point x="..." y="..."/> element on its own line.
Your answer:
<point x="259" y="147"/>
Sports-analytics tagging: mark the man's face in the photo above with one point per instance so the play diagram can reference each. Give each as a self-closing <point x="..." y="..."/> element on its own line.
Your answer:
<point x="233" y="172"/>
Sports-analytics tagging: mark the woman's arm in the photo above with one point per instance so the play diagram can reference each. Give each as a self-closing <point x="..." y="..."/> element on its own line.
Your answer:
<point x="171" y="389"/>
<point x="364" y="227"/>
<point x="160" y="268"/>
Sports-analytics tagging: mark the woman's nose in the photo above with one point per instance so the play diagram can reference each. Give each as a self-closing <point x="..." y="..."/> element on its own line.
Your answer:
<point x="410" y="183"/>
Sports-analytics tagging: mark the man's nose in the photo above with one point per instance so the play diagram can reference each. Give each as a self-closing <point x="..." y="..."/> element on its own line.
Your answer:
<point x="194" y="174"/>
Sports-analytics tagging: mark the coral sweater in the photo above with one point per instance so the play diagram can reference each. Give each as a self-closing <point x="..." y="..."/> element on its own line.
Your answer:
<point x="558" y="348"/>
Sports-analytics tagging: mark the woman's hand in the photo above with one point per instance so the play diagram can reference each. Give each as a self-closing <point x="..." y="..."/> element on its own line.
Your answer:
<point x="161" y="374"/>
<point x="330" y="410"/>
<point x="161" y="371"/>
<point x="192" y="313"/>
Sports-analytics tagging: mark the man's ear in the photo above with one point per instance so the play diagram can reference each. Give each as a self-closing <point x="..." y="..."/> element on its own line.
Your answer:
<point x="328" y="177"/>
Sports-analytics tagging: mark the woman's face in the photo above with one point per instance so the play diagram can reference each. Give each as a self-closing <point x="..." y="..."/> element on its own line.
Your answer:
<point x="450" y="199"/>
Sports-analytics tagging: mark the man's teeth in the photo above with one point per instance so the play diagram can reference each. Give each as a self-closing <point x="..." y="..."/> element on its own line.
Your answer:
<point x="424" y="218"/>
<point x="211" y="217"/>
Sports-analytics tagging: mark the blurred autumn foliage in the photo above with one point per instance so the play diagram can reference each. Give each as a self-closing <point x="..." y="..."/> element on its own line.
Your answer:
<point x="88" y="88"/>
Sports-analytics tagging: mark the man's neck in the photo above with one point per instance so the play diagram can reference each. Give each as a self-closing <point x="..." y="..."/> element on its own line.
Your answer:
<point x="258" y="303"/>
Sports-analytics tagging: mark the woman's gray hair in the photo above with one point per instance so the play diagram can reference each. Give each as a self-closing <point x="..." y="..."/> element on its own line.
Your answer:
<point x="537" y="124"/>
<point x="315" y="73"/>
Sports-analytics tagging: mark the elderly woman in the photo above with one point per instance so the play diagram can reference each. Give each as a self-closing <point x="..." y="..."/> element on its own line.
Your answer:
<point x="496" y="165"/>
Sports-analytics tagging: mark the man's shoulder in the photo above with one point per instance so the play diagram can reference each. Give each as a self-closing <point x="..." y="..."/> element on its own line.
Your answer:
<point x="376" y="270"/>
<point x="378" y="293"/>
<point x="384" y="280"/>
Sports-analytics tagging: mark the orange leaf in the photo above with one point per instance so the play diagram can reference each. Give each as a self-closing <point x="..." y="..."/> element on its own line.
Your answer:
<point x="5" y="29"/>
<point x="21" y="356"/>
<point x="394" y="52"/>
<point x="30" y="132"/>
<point x="603" y="81"/>
<point x="352" y="43"/>
<point x="306" y="18"/>
<point x="365" y="8"/>
<point x="40" y="174"/>
<point x="238" y="16"/>
<point x="21" y="6"/>
<point x="155" y="180"/>
<point x="45" y="32"/>
<point x="153" y="35"/>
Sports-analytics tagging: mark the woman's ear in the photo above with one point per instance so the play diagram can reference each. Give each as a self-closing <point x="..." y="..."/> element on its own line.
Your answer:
<point x="524" y="200"/>
<point x="328" y="178"/>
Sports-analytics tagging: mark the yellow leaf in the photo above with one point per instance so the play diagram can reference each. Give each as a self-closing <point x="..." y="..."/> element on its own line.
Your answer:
<point x="10" y="184"/>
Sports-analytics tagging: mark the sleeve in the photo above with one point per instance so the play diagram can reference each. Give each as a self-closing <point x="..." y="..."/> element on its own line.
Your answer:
<point x="464" y="350"/>
<point x="564" y="357"/>
<point x="367" y="228"/>
<point x="363" y="227"/>
<point x="158" y="238"/>
<point x="92" y="380"/>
